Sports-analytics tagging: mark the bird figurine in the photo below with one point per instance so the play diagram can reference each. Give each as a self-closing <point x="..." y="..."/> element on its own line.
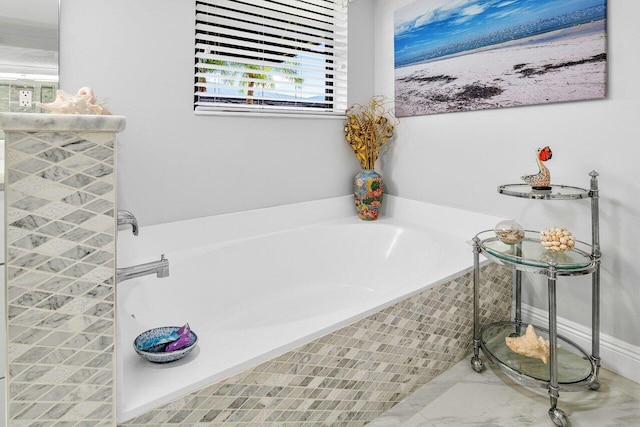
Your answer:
<point x="541" y="180"/>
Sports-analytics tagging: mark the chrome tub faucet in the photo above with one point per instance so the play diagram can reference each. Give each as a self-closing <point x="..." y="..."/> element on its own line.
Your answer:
<point x="159" y="268"/>
<point x="126" y="217"/>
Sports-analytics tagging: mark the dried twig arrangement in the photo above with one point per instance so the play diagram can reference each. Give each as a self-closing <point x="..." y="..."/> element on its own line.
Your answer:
<point x="368" y="128"/>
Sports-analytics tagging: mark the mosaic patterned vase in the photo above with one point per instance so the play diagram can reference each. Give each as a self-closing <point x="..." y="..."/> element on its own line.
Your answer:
<point x="368" y="189"/>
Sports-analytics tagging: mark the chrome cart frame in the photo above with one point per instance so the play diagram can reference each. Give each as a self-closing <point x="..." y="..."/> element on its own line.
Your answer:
<point x="526" y="256"/>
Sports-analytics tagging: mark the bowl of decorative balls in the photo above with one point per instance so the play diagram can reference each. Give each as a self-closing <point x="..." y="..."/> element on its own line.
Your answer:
<point x="557" y="239"/>
<point x="509" y="232"/>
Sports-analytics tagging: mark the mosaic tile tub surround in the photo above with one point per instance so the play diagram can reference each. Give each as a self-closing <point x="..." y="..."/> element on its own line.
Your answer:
<point x="61" y="229"/>
<point x="60" y="198"/>
<point x="351" y="376"/>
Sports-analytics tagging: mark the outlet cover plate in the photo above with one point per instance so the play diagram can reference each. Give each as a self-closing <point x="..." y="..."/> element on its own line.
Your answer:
<point x="25" y="98"/>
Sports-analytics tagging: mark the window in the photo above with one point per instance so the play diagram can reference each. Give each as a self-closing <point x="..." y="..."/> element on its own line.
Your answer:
<point x="271" y="56"/>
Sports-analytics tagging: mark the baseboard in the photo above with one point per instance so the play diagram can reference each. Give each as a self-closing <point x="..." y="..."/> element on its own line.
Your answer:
<point x="616" y="355"/>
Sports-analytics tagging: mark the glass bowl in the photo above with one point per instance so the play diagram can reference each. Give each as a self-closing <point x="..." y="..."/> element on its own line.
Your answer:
<point x="509" y="232"/>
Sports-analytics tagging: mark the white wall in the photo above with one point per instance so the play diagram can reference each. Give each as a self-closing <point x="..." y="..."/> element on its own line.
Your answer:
<point x="172" y="164"/>
<point x="459" y="159"/>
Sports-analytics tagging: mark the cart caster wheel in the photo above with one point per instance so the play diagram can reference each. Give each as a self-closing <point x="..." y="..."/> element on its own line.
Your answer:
<point x="477" y="364"/>
<point x="558" y="417"/>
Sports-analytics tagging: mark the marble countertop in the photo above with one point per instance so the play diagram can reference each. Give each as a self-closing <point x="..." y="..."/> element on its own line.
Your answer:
<point x="60" y="122"/>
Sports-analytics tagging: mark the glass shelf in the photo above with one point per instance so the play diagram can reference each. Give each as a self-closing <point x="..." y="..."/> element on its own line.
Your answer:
<point x="530" y="253"/>
<point x="557" y="192"/>
<point x="574" y="365"/>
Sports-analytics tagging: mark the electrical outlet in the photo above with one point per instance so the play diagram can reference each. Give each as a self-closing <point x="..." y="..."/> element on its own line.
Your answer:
<point x="25" y="98"/>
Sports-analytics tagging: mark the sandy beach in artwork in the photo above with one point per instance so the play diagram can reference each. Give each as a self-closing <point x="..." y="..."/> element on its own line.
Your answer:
<point x="564" y="65"/>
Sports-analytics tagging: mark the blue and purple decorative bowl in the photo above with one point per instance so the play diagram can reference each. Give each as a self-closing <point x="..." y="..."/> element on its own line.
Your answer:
<point x="157" y="354"/>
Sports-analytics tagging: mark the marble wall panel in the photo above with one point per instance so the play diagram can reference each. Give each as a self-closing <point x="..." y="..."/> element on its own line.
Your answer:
<point x="60" y="198"/>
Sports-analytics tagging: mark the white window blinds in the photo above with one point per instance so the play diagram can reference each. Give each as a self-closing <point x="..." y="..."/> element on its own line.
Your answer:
<point x="271" y="55"/>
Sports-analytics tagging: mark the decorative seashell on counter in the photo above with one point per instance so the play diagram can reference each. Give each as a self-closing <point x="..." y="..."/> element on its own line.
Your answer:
<point x="509" y="232"/>
<point x="557" y="239"/>
<point x="530" y="345"/>
<point x="81" y="103"/>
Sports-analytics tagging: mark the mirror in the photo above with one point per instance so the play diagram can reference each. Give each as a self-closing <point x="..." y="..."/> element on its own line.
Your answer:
<point x="28" y="74"/>
<point x="28" y="54"/>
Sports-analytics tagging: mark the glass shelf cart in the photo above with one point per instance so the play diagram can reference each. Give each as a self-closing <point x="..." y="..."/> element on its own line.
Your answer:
<point x="569" y="366"/>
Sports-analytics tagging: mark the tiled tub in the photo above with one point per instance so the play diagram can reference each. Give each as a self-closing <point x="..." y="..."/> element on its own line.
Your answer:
<point x="318" y="321"/>
<point x="345" y="370"/>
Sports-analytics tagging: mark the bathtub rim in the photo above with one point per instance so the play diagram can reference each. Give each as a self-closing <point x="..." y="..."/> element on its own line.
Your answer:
<point x="263" y="221"/>
<point x="404" y="211"/>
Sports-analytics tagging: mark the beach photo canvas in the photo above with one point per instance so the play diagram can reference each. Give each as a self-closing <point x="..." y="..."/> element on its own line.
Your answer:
<point x="463" y="55"/>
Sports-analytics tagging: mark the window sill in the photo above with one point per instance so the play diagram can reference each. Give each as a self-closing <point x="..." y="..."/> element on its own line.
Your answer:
<point x="270" y="114"/>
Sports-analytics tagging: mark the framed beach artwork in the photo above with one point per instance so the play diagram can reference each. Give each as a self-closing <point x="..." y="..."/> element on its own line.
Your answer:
<point x="462" y="55"/>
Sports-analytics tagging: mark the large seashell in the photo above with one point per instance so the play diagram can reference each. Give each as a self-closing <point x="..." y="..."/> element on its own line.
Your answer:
<point x="81" y="103"/>
<point x="530" y="345"/>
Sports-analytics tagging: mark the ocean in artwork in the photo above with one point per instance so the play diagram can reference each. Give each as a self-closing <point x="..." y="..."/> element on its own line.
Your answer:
<point x="461" y="55"/>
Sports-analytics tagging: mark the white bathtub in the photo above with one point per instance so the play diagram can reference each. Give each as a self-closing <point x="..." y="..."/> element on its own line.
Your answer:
<point x="256" y="284"/>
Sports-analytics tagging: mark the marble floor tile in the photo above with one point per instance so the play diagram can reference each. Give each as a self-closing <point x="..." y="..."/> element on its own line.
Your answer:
<point x="462" y="397"/>
<point x="626" y="385"/>
<point x="417" y="421"/>
<point x="409" y="408"/>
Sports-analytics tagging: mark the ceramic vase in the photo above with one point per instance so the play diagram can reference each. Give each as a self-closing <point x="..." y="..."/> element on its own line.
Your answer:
<point x="368" y="189"/>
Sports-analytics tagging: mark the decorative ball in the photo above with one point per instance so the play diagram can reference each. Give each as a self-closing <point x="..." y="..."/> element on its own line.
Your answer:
<point x="509" y="232"/>
<point x="557" y="239"/>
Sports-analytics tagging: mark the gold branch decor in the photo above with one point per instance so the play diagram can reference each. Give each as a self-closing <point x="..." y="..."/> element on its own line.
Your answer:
<point x="368" y="128"/>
